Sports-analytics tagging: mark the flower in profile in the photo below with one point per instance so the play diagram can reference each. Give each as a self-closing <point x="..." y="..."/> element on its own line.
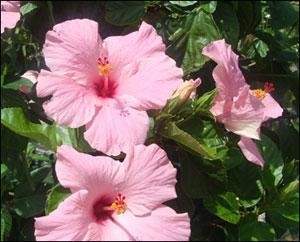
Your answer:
<point x="106" y="85"/>
<point x="10" y="14"/>
<point x="239" y="108"/>
<point x="115" y="201"/>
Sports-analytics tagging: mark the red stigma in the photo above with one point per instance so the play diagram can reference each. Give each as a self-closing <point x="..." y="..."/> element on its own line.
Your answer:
<point x="269" y="87"/>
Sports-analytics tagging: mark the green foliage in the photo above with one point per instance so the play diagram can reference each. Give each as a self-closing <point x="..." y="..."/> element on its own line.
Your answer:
<point x="256" y="231"/>
<point x="6" y="222"/>
<point x="224" y="194"/>
<point x="224" y="206"/>
<point x="124" y="13"/>
<point x="56" y="195"/>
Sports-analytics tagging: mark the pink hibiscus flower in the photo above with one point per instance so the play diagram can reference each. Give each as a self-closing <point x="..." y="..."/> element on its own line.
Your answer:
<point x="239" y="108"/>
<point x="116" y="201"/>
<point x="106" y="85"/>
<point x="10" y="14"/>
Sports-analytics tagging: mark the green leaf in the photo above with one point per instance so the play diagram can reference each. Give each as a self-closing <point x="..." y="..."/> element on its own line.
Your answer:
<point x="244" y="181"/>
<point x="290" y="210"/>
<point x="201" y="178"/>
<point x="200" y="30"/>
<point x="225" y="206"/>
<point x="39" y="174"/>
<point x="249" y="16"/>
<point x="256" y="231"/>
<point x="227" y="22"/>
<point x="207" y="134"/>
<point x="27" y="8"/>
<point x="56" y="195"/>
<point x="261" y="48"/>
<point x="19" y="83"/>
<point x="234" y="158"/>
<point x="12" y="98"/>
<point x="283" y="14"/>
<point x="171" y="131"/>
<point x="272" y="172"/>
<point x="183" y="3"/>
<point x="289" y="191"/>
<point x="209" y="7"/>
<point x="204" y="103"/>
<point x="6" y="222"/>
<point x="30" y="206"/>
<point x="280" y="221"/>
<point x="4" y="170"/>
<point x="122" y="13"/>
<point x="15" y="120"/>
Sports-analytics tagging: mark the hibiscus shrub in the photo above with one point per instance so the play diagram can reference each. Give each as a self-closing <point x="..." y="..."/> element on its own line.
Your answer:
<point x="74" y="105"/>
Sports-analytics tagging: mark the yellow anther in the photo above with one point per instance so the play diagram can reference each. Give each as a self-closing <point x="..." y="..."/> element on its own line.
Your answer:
<point x="259" y="93"/>
<point x="104" y="69"/>
<point x="119" y="204"/>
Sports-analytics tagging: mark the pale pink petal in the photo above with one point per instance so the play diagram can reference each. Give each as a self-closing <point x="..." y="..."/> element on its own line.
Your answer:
<point x="244" y="116"/>
<point x="9" y="20"/>
<point x="69" y="222"/>
<point x="227" y="74"/>
<point x="72" y="49"/>
<point x="150" y="178"/>
<point x="115" y="128"/>
<point x="234" y="106"/>
<point x="97" y="174"/>
<point x="71" y="104"/>
<point x="250" y="151"/>
<point x="108" y="230"/>
<point x="163" y="224"/>
<point x="10" y="6"/>
<point x="141" y="68"/>
<point x="272" y="108"/>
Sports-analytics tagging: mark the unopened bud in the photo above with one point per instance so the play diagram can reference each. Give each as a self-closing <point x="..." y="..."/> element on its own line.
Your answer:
<point x="31" y="76"/>
<point x="187" y="90"/>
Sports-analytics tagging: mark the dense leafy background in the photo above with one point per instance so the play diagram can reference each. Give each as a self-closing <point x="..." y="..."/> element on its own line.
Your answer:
<point x="227" y="197"/>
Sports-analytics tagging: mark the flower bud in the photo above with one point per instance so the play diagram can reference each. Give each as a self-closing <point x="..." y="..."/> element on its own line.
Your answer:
<point x="187" y="90"/>
<point x="31" y="76"/>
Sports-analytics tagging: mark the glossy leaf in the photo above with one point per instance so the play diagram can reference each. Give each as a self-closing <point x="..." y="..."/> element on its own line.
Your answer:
<point x="6" y="223"/>
<point x="256" y="231"/>
<point x="29" y="206"/>
<point x="200" y="30"/>
<point x="56" y="195"/>
<point x="225" y="206"/>
<point x="27" y="8"/>
<point x="123" y="13"/>
<point x="15" y="120"/>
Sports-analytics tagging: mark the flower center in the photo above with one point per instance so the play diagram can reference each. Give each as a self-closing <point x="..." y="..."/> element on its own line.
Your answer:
<point x="261" y="93"/>
<point x="103" y="66"/>
<point x="105" y="207"/>
<point x="119" y="205"/>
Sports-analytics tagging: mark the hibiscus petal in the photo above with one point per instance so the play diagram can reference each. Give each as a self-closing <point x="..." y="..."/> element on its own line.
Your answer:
<point x="71" y="104"/>
<point x="141" y="68"/>
<point x="163" y="224"/>
<point x="98" y="174"/>
<point x="250" y="151"/>
<point x="150" y="178"/>
<point x="272" y="108"/>
<point x="9" y="20"/>
<point x="242" y="115"/>
<point x="72" y="48"/>
<point x="116" y="128"/>
<point x="107" y="231"/>
<point x="10" y="6"/>
<point x="227" y="74"/>
<point x="69" y="222"/>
